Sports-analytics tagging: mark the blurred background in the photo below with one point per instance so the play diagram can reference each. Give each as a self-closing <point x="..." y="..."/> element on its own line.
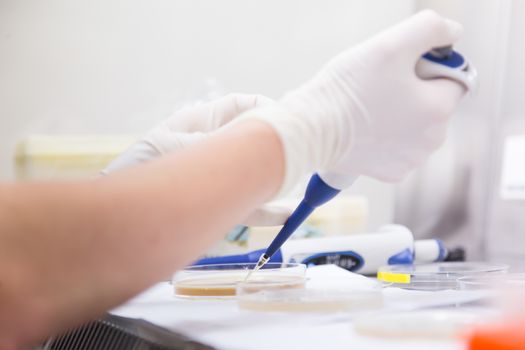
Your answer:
<point x="80" y="80"/>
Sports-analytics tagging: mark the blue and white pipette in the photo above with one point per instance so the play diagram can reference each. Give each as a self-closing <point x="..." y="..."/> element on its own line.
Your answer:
<point x="440" y="62"/>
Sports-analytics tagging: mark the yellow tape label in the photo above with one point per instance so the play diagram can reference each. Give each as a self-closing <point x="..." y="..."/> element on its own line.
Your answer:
<point x="393" y="277"/>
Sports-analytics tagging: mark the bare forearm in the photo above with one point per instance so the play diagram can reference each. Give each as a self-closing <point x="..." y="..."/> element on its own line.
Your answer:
<point x="81" y="248"/>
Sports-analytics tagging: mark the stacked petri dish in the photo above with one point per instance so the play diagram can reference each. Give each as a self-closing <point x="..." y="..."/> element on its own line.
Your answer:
<point x="503" y="292"/>
<point x="493" y="282"/>
<point x="436" y="276"/>
<point x="221" y="280"/>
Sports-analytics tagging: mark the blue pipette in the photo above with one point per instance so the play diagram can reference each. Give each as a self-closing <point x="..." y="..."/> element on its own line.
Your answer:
<point x="440" y="62"/>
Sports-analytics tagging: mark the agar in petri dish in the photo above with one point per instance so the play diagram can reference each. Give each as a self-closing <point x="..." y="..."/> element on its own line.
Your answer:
<point x="221" y="280"/>
<point x="423" y="324"/>
<point x="255" y="296"/>
<point x="436" y="276"/>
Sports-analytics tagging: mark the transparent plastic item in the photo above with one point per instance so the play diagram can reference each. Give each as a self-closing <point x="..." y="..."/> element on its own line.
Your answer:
<point x="422" y="324"/>
<point x="493" y="282"/>
<point x="221" y="280"/>
<point x="437" y="276"/>
<point x="255" y="296"/>
<point x="501" y="292"/>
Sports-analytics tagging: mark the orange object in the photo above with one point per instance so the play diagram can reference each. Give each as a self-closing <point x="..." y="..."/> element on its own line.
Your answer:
<point x="509" y="336"/>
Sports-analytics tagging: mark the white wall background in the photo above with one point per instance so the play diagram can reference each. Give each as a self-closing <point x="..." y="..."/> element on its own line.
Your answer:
<point x="115" y="66"/>
<point x="456" y="196"/>
<point x="449" y="196"/>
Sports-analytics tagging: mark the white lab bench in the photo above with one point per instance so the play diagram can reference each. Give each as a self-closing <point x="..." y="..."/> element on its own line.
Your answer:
<point x="221" y="324"/>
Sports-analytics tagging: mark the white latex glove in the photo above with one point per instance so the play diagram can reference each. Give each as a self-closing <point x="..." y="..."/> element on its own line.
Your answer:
<point x="187" y="126"/>
<point x="191" y="124"/>
<point x="367" y="112"/>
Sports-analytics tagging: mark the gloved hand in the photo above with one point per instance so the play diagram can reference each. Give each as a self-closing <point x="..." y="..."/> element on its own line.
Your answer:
<point x="367" y="112"/>
<point x="187" y="126"/>
<point x="192" y="124"/>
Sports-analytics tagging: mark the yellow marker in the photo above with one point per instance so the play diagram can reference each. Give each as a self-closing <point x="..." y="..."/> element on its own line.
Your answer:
<point x="391" y="277"/>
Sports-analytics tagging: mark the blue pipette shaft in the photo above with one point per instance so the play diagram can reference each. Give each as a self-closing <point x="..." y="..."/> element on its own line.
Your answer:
<point x="317" y="193"/>
<point x="294" y="221"/>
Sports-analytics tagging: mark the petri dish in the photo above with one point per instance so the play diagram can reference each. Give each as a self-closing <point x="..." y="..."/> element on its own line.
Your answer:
<point x="502" y="292"/>
<point x="437" y="276"/>
<point x="493" y="282"/>
<point x="422" y="324"/>
<point x="221" y="280"/>
<point x="255" y="296"/>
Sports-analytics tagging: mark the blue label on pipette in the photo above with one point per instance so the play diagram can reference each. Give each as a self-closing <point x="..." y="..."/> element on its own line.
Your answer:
<point x="348" y="260"/>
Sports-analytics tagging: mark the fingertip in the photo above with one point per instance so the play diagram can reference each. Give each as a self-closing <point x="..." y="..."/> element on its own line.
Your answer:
<point x="244" y="102"/>
<point x="261" y="100"/>
<point x="455" y="29"/>
<point x="427" y="29"/>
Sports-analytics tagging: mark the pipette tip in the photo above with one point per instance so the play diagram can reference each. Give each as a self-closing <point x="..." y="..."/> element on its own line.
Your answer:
<point x="262" y="261"/>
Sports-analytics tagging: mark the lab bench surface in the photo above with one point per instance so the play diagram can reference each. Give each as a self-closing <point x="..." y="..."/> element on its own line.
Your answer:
<point x="220" y="324"/>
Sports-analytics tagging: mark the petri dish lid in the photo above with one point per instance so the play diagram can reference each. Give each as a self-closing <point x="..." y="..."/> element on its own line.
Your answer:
<point x="436" y="276"/>
<point x="493" y="282"/>
<point x="502" y="292"/>
<point x="221" y="280"/>
<point x="255" y="296"/>
<point x="421" y="324"/>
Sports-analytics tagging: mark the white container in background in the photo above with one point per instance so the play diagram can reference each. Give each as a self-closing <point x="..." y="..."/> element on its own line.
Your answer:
<point x="343" y="215"/>
<point x="42" y="157"/>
